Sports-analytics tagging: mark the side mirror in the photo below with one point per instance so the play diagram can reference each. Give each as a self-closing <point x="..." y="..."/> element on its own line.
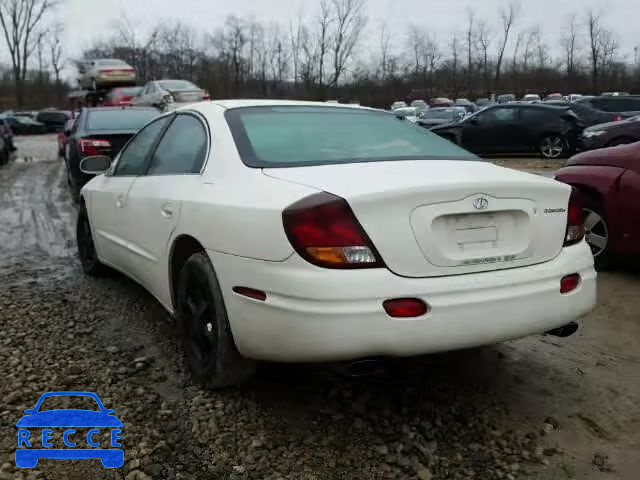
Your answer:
<point x="95" y="165"/>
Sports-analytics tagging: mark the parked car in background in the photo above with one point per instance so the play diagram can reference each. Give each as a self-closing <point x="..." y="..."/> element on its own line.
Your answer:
<point x="554" y="97"/>
<point x="120" y="96"/>
<point x="54" y="120"/>
<point x="516" y="128"/>
<point x="532" y="98"/>
<point x="468" y="106"/>
<point x="7" y="134"/>
<point x="614" y="94"/>
<point x="441" y="115"/>
<point x="63" y="136"/>
<point x="573" y="97"/>
<point x="483" y="102"/>
<point x="398" y="104"/>
<point x="611" y="134"/>
<point x="165" y="94"/>
<point x="588" y="116"/>
<point x="25" y="114"/>
<point x="408" y="113"/>
<point x="103" y="73"/>
<point x="25" y="126"/>
<point x="382" y="240"/>
<point x="101" y="131"/>
<point x="608" y="181"/>
<point x="626" y="106"/>
<point x="420" y="106"/>
<point x="441" y="102"/>
<point x="506" y="98"/>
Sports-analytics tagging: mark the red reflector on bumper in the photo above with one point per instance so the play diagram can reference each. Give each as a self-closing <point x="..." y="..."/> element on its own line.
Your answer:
<point x="251" y="293"/>
<point x="405" y="307"/>
<point x="569" y="283"/>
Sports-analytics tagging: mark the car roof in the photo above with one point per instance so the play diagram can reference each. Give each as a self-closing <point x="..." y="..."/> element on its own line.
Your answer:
<point x="228" y="104"/>
<point x="122" y="109"/>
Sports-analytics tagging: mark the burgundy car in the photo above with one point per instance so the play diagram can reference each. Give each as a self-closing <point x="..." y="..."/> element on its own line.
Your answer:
<point x="609" y="181"/>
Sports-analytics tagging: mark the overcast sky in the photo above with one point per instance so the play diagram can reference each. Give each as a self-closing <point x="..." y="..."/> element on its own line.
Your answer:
<point x="87" y="20"/>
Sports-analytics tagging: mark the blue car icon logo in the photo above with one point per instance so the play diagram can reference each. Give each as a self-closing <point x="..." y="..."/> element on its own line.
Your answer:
<point x="68" y="419"/>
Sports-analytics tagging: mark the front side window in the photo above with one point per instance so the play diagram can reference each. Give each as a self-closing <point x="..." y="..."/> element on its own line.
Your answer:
<point x="293" y="136"/>
<point x="133" y="157"/>
<point x="497" y="116"/>
<point x="182" y="149"/>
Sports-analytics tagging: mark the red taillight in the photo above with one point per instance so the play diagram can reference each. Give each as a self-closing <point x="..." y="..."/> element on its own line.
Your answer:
<point x="618" y="118"/>
<point x="92" y="146"/>
<point x="575" y="223"/>
<point x="206" y="96"/>
<point x="251" y="293"/>
<point x="324" y="231"/>
<point x="569" y="283"/>
<point x="405" y="307"/>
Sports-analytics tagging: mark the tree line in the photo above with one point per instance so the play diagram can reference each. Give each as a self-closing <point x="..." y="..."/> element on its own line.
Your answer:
<point x="334" y="52"/>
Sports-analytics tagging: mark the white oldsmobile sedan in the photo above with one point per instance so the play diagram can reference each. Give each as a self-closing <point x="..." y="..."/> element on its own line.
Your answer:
<point x="308" y="232"/>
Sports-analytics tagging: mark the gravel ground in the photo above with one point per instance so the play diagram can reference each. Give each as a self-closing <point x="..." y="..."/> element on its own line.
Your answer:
<point x="541" y="408"/>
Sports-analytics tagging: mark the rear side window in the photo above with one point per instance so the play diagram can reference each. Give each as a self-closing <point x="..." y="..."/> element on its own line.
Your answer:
<point x="182" y="149"/>
<point x="133" y="157"/>
<point x="294" y="136"/>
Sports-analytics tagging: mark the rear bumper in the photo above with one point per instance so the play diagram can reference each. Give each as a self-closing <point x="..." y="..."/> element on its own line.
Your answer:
<point x="314" y="314"/>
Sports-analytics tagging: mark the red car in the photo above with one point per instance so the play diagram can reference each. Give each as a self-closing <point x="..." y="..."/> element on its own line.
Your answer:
<point x="121" y="96"/>
<point x="63" y="136"/>
<point x="609" y="181"/>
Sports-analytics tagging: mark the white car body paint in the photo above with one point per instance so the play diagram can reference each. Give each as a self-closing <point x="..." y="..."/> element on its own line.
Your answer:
<point x="413" y="211"/>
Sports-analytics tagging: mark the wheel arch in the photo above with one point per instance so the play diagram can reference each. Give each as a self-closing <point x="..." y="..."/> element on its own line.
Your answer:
<point x="182" y="248"/>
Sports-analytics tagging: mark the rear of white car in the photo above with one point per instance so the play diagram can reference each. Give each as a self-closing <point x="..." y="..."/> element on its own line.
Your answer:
<point x="401" y="244"/>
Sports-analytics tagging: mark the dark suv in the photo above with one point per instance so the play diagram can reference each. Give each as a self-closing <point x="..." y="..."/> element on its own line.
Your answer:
<point x="627" y="106"/>
<point x="516" y="128"/>
<point x="101" y="131"/>
<point x="54" y="120"/>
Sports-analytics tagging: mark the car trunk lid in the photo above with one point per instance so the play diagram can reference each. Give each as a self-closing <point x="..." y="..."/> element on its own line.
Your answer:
<point x="433" y="218"/>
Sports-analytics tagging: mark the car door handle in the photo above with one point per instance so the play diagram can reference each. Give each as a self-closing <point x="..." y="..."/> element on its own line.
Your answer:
<point x="120" y="201"/>
<point x="166" y="210"/>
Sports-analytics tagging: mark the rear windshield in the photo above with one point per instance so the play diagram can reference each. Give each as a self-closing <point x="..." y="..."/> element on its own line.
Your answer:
<point x="119" y="119"/>
<point x="295" y="136"/>
<point x="111" y="62"/>
<point x="127" y="91"/>
<point x="176" y="85"/>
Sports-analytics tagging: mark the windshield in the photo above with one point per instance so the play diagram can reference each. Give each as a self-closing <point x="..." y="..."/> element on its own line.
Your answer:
<point x="63" y="402"/>
<point x="176" y="85"/>
<point x="119" y="119"/>
<point x="295" y="136"/>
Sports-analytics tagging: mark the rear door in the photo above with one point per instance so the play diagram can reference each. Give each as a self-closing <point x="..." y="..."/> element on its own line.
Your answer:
<point x="109" y="204"/>
<point x="492" y="131"/>
<point x="155" y="199"/>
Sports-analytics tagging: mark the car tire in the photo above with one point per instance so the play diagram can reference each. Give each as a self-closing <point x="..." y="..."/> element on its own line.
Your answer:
<point x="553" y="146"/>
<point x="209" y="348"/>
<point x="597" y="234"/>
<point x="86" y="246"/>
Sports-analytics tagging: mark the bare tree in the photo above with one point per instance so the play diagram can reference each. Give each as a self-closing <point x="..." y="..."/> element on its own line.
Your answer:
<point x="415" y="43"/>
<point x="508" y="16"/>
<point x="470" y="41"/>
<point x="385" y="47"/>
<point x="569" y="43"/>
<point x="295" y="41"/>
<point x="20" y="20"/>
<point x="516" y="51"/>
<point x="56" y="58"/>
<point x="350" y="20"/>
<point x="324" y="19"/>
<point x="484" y="41"/>
<point x="594" y="32"/>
